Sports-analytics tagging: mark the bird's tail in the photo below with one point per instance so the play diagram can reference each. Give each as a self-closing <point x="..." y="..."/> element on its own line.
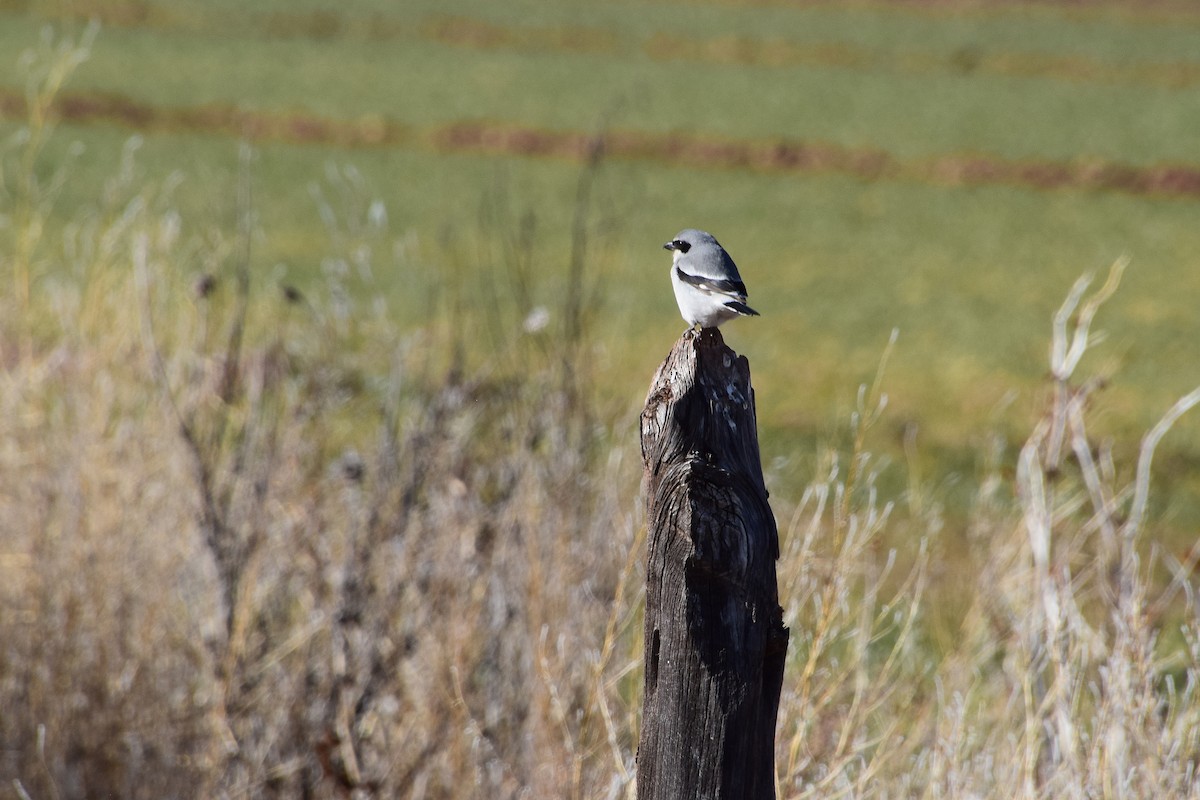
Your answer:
<point x="741" y="308"/>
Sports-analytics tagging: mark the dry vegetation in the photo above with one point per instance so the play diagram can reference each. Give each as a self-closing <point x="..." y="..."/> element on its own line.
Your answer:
<point x="260" y="543"/>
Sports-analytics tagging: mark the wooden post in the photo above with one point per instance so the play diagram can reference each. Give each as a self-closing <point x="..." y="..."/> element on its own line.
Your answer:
<point x="715" y="639"/>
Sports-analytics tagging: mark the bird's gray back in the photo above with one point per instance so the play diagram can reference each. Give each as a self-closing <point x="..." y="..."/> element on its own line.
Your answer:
<point x="709" y="259"/>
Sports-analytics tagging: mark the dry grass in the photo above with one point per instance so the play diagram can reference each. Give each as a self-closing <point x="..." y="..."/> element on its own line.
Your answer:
<point x="257" y="543"/>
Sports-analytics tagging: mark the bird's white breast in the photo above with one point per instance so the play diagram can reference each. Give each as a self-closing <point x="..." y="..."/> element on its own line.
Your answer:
<point x="698" y="307"/>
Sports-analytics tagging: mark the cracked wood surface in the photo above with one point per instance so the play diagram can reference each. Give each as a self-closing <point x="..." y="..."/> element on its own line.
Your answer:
<point x="715" y="640"/>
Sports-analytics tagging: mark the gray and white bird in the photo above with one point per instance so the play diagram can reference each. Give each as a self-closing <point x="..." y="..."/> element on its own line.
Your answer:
<point x="707" y="285"/>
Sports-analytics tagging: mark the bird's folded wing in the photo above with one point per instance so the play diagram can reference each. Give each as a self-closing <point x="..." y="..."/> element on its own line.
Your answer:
<point x="735" y="288"/>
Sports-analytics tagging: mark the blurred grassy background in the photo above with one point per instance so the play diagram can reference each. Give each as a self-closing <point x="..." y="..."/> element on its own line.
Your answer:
<point x="968" y="270"/>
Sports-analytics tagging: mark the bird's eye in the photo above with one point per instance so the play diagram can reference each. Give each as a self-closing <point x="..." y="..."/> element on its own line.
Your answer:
<point x="681" y="245"/>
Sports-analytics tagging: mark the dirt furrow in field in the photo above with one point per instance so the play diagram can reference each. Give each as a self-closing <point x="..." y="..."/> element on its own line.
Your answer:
<point x="672" y="149"/>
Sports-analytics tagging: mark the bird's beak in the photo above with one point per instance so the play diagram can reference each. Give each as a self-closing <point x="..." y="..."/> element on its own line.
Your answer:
<point x="669" y="246"/>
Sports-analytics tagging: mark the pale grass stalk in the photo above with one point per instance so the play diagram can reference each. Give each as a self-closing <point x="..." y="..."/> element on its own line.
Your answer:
<point x="41" y="755"/>
<point x="1141" y="494"/>
<point x="45" y="69"/>
<point x="599" y="688"/>
<point x="561" y="717"/>
<point x="861" y="703"/>
<point x="1067" y="651"/>
<point x="846" y="526"/>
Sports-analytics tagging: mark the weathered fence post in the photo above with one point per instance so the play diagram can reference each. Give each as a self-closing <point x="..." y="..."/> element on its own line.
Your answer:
<point x="715" y="640"/>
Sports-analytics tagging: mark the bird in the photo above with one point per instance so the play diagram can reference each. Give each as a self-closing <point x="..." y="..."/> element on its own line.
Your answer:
<point x="707" y="285"/>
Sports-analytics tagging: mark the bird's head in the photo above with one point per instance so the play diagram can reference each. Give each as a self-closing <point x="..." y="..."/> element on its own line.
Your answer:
<point x="688" y="238"/>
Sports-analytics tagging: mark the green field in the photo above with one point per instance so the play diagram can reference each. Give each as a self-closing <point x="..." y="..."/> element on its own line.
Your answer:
<point x="968" y="273"/>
